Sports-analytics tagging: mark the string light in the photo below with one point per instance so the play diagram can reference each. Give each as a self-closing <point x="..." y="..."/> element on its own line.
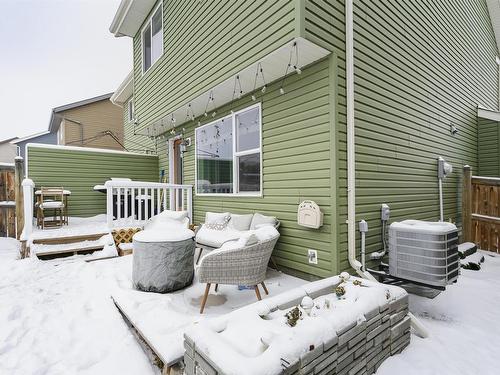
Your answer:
<point x="293" y="51"/>
<point x="261" y="71"/>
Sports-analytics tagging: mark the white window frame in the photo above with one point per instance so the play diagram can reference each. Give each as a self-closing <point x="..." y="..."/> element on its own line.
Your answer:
<point x="236" y="154"/>
<point x="130" y="110"/>
<point x="150" y="24"/>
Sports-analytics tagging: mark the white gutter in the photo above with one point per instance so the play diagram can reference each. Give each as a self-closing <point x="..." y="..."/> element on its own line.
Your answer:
<point x="351" y="160"/>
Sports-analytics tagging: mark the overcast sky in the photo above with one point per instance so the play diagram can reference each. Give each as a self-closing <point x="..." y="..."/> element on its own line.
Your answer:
<point x="54" y="52"/>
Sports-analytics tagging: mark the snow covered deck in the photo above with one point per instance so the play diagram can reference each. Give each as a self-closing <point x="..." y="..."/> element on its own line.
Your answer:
<point x="80" y="236"/>
<point x="57" y="317"/>
<point x="161" y="319"/>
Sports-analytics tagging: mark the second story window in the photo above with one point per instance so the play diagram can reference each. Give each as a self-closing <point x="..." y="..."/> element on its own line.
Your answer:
<point x="130" y="110"/>
<point x="152" y="39"/>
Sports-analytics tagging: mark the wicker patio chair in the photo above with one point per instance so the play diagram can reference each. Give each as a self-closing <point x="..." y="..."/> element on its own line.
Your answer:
<point x="243" y="266"/>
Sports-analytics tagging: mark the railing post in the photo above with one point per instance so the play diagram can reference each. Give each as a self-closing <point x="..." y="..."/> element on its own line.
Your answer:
<point x="467" y="205"/>
<point x="109" y="205"/>
<point x="18" y="193"/>
<point x="28" y="187"/>
<point x="190" y="203"/>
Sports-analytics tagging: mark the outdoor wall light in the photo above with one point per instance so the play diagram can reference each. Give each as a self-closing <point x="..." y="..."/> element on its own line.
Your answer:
<point x="453" y="130"/>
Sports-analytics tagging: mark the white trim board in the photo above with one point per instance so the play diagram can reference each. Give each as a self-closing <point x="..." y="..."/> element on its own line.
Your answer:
<point x="88" y="149"/>
<point x="488" y="114"/>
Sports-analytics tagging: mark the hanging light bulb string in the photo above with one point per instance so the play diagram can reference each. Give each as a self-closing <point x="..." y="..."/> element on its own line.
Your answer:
<point x="261" y="71"/>
<point x="289" y="65"/>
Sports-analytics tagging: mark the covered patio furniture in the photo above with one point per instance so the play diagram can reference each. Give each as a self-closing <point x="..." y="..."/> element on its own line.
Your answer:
<point x="51" y="199"/>
<point x="234" y="264"/>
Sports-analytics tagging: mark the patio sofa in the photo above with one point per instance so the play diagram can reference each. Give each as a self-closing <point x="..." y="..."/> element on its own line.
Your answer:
<point x="220" y="228"/>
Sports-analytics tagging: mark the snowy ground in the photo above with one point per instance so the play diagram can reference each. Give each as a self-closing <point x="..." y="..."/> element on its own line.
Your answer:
<point x="56" y="317"/>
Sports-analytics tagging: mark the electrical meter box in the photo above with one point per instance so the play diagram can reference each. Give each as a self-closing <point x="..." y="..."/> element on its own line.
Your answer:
<point x="309" y="215"/>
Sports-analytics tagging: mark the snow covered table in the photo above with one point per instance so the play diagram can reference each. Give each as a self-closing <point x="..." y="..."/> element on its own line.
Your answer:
<point x="347" y="326"/>
<point x="163" y="260"/>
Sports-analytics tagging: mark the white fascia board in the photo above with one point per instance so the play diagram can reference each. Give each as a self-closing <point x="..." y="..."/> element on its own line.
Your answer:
<point x="87" y="149"/>
<point x="129" y="17"/>
<point x="488" y="114"/>
<point x="124" y="91"/>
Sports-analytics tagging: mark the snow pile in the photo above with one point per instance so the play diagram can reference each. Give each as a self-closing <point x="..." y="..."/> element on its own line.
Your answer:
<point x="9" y="249"/>
<point x="463" y="327"/>
<point x="254" y="339"/>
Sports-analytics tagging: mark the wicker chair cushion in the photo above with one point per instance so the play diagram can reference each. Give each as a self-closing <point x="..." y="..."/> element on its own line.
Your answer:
<point x="259" y="219"/>
<point x="240" y="222"/>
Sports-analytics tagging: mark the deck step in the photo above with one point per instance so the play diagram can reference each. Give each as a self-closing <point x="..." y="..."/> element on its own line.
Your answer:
<point x="466" y="249"/>
<point x="68" y="239"/>
<point x="61" y="253"/>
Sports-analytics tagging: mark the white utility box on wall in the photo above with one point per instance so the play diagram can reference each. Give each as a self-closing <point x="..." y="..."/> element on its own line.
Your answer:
<point x="309" y="215"/>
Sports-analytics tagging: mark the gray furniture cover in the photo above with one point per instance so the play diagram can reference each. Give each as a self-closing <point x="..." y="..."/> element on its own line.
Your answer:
<point x="163" y="266"/>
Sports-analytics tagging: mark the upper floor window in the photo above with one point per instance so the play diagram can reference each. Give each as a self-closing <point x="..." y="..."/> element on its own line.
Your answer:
<point x="152" y="39"/>
<point x="130" y="110"/>
<point x="228" y="154"/>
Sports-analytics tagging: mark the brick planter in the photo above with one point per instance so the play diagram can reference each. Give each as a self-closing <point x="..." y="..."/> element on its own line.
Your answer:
<point x="358" y="348"/>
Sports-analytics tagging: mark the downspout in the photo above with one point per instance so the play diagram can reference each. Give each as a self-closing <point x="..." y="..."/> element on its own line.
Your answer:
<point x="351" y="161"/>
<point x="351" y="155"/>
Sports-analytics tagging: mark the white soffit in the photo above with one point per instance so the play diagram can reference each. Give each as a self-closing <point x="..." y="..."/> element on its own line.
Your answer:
<point x="494" y="11"/>
<point x="124" y="91"/>
<point x="273" y="66"/>
<point x="488" y="114"/>
<point x="129" y="17"/>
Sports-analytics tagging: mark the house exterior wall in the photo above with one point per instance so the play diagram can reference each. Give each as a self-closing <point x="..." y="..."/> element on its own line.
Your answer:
<point x="95" y="118"/>
<point x="8" y="152"/>
<point x="47" y="139"/>
<point x="79" y="170"/>
<point x="420" y="67"/>
<point x="489" y="148"/>
<point x="134" y="143"/>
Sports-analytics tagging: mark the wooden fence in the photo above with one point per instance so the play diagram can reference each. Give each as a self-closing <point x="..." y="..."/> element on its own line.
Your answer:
<point x="7" y="201"/>
<point x="480" y="210"/>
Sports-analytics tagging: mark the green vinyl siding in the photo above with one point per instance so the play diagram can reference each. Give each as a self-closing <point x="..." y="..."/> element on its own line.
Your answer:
<point x="419" y="68"/>
<point x="138" y="143"/>
<point x="206" y="42"/>
<point x="80" y="170"/>
<point x="489" y="148"/>
<point x="296" y="166"/>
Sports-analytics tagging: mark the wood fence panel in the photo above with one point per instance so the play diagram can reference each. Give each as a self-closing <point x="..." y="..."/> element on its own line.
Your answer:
<point x="485" y="211"/>
<point x="7" y="193"/>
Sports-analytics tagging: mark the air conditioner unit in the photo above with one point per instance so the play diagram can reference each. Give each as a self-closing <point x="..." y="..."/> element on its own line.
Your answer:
<point x="424" y="252"/>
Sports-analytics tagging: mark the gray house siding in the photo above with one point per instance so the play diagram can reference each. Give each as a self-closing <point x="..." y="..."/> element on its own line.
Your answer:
<point x="47" y="139"/>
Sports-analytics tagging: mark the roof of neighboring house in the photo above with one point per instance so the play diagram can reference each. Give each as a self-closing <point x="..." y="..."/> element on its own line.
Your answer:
<point x="129" y="16"/>
<point x="124" y="91"/>
<point x="9" y="140"/>
<point x="55" y="119"/>
<point x="494" y="11"/>
<point x="28" y="137"/>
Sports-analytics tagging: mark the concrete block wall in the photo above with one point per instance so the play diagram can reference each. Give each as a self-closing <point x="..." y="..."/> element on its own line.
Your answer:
<point x="357" y="349"/>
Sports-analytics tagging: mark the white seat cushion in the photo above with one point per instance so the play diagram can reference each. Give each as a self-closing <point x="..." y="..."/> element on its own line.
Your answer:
<point x="240" y="222"/>
<point x="259" y="219"/>
<point x="216" y="238"/>
<point x="171" y="215"/>
<point x="51" y="205"/>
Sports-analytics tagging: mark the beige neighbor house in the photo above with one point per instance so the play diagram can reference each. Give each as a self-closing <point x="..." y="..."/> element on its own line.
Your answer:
<point x="93" y="122"/>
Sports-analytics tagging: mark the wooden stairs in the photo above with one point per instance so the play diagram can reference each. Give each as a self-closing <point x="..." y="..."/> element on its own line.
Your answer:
<point x="60" y="247"/>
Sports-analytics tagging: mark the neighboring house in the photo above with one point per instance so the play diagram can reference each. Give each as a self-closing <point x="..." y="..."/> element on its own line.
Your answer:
<point x="44" y="137"/>
<point x="256" y="94"/>
<point x="93" y="122"/>
<point x="7" y="150"/>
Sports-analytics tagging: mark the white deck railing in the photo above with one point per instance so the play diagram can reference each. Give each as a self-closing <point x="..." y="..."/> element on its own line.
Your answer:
<point x="140" y="200"/>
